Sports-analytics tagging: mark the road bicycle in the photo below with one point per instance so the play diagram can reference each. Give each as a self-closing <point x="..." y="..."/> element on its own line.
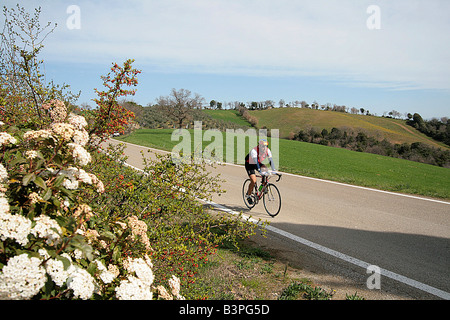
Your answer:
<point x="267" y="191"/>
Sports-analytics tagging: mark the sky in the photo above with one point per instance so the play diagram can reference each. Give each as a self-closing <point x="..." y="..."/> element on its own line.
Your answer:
<point x="380" y="55"/>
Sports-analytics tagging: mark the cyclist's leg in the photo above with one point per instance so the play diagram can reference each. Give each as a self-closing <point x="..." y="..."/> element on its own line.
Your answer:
<point x="263" y="169"/>
<point x="251" y="186"/>
<point x="250" y="168"/>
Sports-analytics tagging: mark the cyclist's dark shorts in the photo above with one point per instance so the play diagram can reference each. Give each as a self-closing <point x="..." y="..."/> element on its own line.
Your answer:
<point x="252" y="168"/>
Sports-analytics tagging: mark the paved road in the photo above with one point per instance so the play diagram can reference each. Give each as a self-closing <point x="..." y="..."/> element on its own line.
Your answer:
<point x="408" y="237"/>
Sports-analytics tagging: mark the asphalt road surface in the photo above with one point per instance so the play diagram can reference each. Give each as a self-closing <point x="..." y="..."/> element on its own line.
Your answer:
<point x="407" y="237"/>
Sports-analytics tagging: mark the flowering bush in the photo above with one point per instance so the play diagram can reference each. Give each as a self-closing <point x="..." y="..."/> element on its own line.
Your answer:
<point x="181" y="232"/>
<point x="75" y="223"/>
<point x="51" y="245"/>
<point x="67" y="233"/>
<point x="110" y="117"/>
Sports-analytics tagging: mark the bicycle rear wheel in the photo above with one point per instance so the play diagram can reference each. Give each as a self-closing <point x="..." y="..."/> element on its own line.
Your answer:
<point x="272" y="200"/>
<point x="244" y="195"/>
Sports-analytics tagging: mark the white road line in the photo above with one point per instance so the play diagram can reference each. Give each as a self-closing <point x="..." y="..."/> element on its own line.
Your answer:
<point x="323" y="180"/>
<point x="392" y="275"/>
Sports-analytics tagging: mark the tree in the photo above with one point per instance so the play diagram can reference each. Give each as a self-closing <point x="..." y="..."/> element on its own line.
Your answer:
<point x="418" y="121"/>
<point x="180" y="104"/>
<point x="268" y="104"/>
<point x="315" y="105"/>
<point x="304" y="104"/>
<point x="110" y="116"/>
<point x="22" y="74"/>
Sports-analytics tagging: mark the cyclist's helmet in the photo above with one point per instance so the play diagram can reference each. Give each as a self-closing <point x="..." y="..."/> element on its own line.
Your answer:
<point x="263" y="143"/>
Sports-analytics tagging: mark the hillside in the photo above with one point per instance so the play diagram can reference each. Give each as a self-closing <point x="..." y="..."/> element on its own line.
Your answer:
<point x="228" y="116"/>
<point x="289" y="120"/>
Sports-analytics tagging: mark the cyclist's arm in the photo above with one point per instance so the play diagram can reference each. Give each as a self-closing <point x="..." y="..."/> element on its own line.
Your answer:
<point x="272" y="164"/>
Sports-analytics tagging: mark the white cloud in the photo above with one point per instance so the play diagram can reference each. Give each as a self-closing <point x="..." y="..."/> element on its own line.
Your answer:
<point x="324" y="38"/>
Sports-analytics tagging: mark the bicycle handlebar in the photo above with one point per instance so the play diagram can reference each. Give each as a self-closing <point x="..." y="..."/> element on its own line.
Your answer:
<point x="271" y="173"/>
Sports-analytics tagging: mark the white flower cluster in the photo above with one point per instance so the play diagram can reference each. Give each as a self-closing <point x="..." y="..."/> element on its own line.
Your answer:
<point x="64" y="131"/>
<point x="77" y="279"/>
<point x="18" y="227"/>
<point x="80" y="154"/>
<point x="35" y="135"/>
<point x="21" y="278"/>
<point x="175" y="285"/>
<point x="81" y="282"/>
<point x="79" y="122"/>
<point x="57" y="110"/>
<point x="136" y="287"/>
<point x="107" y="275"/>
<point x="3" y="174"/>
<point x="6" y="138"/>
<point x="14" y="227"/>
<point x="76" y="175"/>
<point x="45" y="228"/>
<point x="31" y="154"/>
<point x="72" y="132"/>
<point x="56" y="271"/>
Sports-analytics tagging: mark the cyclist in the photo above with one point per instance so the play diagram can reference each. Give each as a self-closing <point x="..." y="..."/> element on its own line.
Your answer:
<point x="253" y="161"/>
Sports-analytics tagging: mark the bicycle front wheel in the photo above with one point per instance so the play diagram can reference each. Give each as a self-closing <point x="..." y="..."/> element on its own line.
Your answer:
<point x="244" y="195"/>
<point x="272" y="200"/>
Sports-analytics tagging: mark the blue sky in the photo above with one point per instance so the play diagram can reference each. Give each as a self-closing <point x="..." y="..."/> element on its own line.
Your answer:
<point x="255" y="50"/>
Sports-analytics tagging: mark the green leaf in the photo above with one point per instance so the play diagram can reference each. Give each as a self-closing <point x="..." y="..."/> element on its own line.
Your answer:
<point x="27" y="178"/>
<point x="65" y="261"/>
<point x="40" y="182"/>
<point x="108" y="235"/>
<point x="47" y="195"/>
<point x="92" y="268"/>
<point x="18" y="161"/>
<point x="117" y="256"/>
<point x="59" y="180"/>
<point x="56" y="202"/>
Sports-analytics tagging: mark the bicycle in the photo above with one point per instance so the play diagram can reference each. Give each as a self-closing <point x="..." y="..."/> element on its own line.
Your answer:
<point x="267" y="191"/>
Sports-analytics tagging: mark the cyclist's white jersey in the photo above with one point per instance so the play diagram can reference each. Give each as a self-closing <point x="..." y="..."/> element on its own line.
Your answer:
<point x="253" y="158"/>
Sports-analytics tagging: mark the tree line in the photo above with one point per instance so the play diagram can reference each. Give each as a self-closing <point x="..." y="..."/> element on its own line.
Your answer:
<point x="358" y="140"/>
<point x="437" y="129"/>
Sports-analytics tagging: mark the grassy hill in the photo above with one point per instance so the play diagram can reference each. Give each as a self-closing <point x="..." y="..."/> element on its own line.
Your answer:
<point x="232" y="116"/>
<point x="289" y="120"/>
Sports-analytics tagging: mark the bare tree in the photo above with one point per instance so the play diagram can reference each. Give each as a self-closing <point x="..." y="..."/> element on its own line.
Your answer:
<point x="179" y="105"/>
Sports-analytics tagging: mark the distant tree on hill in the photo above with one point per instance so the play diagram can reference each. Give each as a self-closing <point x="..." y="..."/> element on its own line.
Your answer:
<point x="434" y="128"/>
<point x="180" y="104"/>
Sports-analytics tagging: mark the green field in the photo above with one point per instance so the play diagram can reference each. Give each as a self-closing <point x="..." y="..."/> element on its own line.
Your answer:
<point x="335" y="164"/>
